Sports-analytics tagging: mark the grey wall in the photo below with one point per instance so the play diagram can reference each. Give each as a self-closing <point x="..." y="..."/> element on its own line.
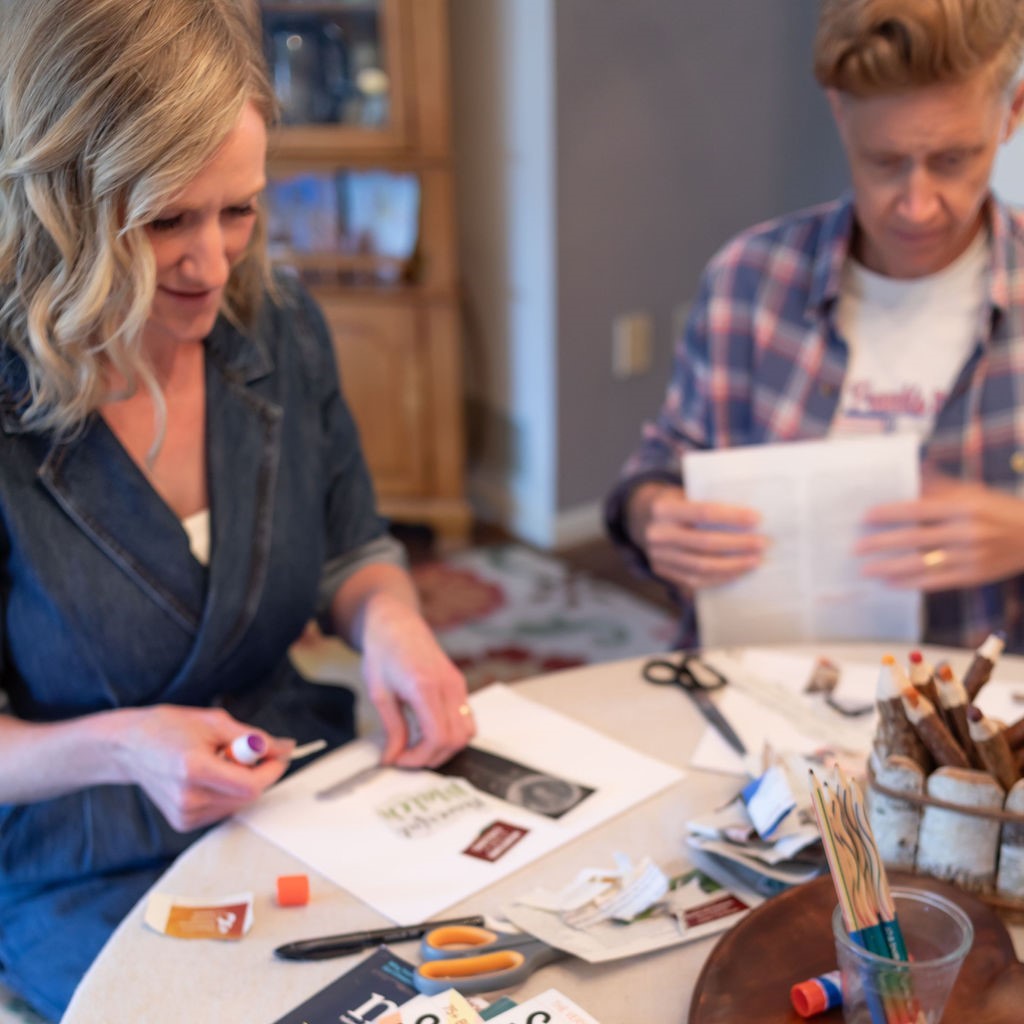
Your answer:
<point x="604" y="150"/>
<point x="678" y="124"/>
<point x="505" y="152"/>
<point x="1008" y="178"/>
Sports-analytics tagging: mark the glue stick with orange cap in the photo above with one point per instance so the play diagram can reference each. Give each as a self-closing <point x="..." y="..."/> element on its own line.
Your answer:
<point x="816" y="995"/>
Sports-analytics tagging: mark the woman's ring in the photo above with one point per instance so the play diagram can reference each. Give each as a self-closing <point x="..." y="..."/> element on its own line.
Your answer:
<point x="933" y="559"/>
<point x="465" y="709"/>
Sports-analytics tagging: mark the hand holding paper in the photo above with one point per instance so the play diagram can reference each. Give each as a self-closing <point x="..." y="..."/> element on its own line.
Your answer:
<point x="694" y="544"/>
<point x="959" y="534"/>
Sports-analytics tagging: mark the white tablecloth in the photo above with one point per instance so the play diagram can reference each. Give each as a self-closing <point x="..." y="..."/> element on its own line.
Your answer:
<point x="144" y="976"/>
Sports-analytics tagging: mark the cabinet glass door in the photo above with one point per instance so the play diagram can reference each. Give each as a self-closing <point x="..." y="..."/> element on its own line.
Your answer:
<point x="335" y="71"/>
<point x="351" y="227"/>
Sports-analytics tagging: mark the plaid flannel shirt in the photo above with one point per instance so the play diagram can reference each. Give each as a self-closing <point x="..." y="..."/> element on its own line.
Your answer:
<point x="761" y="361"/>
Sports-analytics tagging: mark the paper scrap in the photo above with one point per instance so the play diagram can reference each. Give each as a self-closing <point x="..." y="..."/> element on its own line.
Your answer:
<point x="626" y="896"/>
<point x="600" y="894"/>
<point x="690" y="905"/>
<point x="771" y="822"/>
<point x="769" y="800"/>
<point x="660" y="926"/>
<point x="191" y="917"/>
<point x="785" y="871"/>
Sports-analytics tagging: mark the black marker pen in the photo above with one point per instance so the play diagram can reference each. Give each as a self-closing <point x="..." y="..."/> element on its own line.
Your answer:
<point x="351" y="942"/>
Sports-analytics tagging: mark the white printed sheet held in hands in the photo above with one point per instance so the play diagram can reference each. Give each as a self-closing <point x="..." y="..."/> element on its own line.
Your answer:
<point x="362" y="826"/>
<point x="812" y="496"/>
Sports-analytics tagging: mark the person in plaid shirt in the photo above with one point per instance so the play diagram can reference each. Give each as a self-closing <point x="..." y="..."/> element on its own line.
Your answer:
<point x="899" y="306"/>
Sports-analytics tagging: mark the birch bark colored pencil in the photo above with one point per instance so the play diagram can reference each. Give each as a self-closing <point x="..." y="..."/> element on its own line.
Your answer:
<point x="934" y="734"/>
<point x="980" y="669"/>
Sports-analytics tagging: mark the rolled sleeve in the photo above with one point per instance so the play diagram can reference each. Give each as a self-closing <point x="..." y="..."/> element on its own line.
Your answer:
<point x="381" y="550"/>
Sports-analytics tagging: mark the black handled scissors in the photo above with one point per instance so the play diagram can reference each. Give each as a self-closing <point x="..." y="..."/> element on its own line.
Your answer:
<point x="697" y="678"/>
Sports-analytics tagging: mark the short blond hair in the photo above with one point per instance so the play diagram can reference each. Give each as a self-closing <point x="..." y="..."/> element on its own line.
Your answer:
<point x="876" y="47"/>
<point x="108" y="109"/>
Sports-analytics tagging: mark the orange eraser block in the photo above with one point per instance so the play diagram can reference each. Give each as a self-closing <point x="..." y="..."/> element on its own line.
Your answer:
<point x="292" y="890"/>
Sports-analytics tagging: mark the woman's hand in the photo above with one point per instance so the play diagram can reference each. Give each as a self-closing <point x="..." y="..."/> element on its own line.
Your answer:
<point x="176" y="754"/>
<point x="409" y="676"/>
<point x="417" y="691"/>
<point x="693" y="544"/>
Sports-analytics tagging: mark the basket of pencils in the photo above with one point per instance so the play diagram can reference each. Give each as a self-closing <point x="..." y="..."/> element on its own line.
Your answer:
<point x="945" y="793"/>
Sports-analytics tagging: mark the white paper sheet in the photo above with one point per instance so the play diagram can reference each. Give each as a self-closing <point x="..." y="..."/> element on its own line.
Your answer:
<point x="397" y="839"/>
<point x="765" y="703"/>
<point x="812" y="496"/>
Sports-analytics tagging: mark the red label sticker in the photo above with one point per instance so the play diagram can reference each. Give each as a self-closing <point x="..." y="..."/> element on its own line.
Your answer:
<point x="495" y="841"/>
<point x="722" y="906"/>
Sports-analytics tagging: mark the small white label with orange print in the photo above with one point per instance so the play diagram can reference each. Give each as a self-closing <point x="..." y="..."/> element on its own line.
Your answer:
<point x="192" y="917"/>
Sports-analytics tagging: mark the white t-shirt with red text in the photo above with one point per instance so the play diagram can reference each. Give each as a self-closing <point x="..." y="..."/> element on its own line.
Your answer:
<point x="908" y="340"/>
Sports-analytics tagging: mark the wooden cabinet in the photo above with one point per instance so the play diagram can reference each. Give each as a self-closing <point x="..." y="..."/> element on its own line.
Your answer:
<point x="361" y="202"/>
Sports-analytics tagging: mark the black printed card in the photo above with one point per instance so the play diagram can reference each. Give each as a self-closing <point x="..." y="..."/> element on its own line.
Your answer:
<point x="516" y="783"/>
<point x="375" y="986"/>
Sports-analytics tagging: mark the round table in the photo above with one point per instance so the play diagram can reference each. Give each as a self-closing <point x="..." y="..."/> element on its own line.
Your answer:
<point x="142" y="975"/>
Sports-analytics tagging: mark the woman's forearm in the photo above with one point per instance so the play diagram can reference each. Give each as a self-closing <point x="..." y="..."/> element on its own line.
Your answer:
<point x="372" y="588"/>
<point x="42" y="760"/>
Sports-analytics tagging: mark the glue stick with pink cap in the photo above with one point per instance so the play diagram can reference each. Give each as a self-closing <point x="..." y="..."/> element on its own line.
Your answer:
<point x="247" y="749"/>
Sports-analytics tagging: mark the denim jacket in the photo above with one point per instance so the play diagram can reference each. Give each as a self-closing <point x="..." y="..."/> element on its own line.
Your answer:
<point x="102" y="604"/>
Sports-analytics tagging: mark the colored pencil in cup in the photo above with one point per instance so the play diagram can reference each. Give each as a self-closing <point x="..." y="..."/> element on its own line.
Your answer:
<point x="862" y="889"/>
<point x="855" y="818"/>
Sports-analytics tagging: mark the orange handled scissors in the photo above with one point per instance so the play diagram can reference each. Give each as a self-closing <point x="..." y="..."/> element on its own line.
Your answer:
<point x="477" y="960"/>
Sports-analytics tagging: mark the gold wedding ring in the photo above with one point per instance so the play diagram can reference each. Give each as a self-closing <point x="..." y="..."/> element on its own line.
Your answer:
<point x="465" y="709"/>
<point x="933" y="559"/>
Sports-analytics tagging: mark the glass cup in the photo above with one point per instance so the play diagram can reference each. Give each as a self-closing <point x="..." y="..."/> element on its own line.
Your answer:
<point x="877" y="990"/>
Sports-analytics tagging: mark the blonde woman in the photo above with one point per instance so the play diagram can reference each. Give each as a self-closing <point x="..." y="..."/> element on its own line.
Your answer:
<point x="181" y="484"/>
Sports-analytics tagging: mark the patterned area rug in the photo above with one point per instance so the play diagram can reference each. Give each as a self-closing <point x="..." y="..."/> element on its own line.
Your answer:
<point x="506" y="612"/>
<point x="502" y="613"/>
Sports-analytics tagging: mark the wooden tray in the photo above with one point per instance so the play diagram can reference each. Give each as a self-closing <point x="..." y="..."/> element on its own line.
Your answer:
<point x="788" y="938"/>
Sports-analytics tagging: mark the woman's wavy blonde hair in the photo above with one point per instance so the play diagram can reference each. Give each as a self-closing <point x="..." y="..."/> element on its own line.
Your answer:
<point x="108" y="109"/>
<point x="877" y="47"/>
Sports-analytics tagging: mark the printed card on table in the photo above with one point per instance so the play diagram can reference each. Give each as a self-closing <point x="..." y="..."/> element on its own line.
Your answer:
<point x="551" y="1006"/>
<point x="534" y="780"/>
<point x="375" y="987"/>
<point x="448" y="1007"/>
